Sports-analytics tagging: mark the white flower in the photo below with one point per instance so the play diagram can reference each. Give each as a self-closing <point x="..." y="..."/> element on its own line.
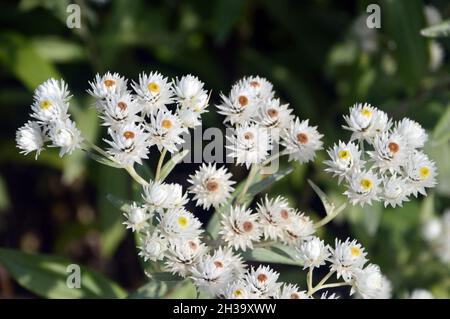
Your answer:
<point x="51" y="101"/>
<point x="369" y="283"/>
<point x="366" y="121"/>
<point x="118" y="110"/>
<point x="345" y="159"/>
<point x="236" y="290"/>
<point x="30" y="138"/>
<point x="274" y="216"/>
<point x="179" y="223"/>
<point x="175" y="196"/>
<point x="313" y="252"/>
<point x="154" y="92"/>
<point x="183" y="254"/>
<point x="262" y="282"/>
<point x="364" y="188"/>
<point x="211" y="186"/>
<point x="437" y="232"/>
<point x="390" y="152"/>
<point x="420" y="294"/>
<point x="421" y="173"/>
<point x="395" y="191"/>
<point x="153" y="247"/>
<point x="64" y="134"/>
<point x="299" y="228"/>
<point x="190" y="93"/>
<point x="346" y="257"/>
<point x="259" y="87"/>
<point x="165" y="130"/>
<point x="155" y="195"/>
<point x="301" y="141"/>
<point x="250" y="144"/>
<point x="129" y="144"/>
<point x="239" y="106"/>
<point x="137" y="217"/>
<point x="107" y="85"/>
<point x="412" y="132"/>
<point x="240" y="228"/>
<point x="188" y="118"/>
<point x="274" y="116"/>
<point x="432" y="229"/>
<point x="290" y="291"/>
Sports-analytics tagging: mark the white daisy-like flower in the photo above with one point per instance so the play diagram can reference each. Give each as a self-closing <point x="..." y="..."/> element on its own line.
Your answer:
<point x="66" y="136"/>
<point x="274" y="116"/>
<point x="154" y="92"/>
<point x="313" y="252"/>
<point x="189" y="93"/>
<point x="188" y="118"/>
<point x="232" y="261"/>
<point x="165" y="129"/>
<point x="420" y="294"/>
<point x="179" y="223"/>
<point x="300" y="228"/>
<point x="240" y="106"/>
<point x="30" y="138"/>
<point x="290" y="291"/>
<point x="412" y="132"/>
<point x="183" y="254"/>
<point x="390" y="152"/>
<point x="363" y="188"/>
<point x="236" y="290"/>
<point x="274" y="216"/>
<point x="395" y="191"/>
<point x="250" y="144"/>
<point x="259" y="87"/>
<point x="370" y="283"/>
<point x="262" y="282"/>
<point x="155" y="195"/>
<point x="154" y="246"/>
<point x="301" y="141"/>
<point x="175" y="196"/>
<point x="345" y="159"/>
<point x="346" y="257"/>
<point x="211" y="186"/>
<point x="137" y="217"/>
<point x="421" y="173"/>
<point x="240" y="228"/>
<point x="51" y="101"/>
<point x="366" y="121"/>
<point x="129" y="144"/>
<point x="107" y="85"/>
<point x="119" y="110"/>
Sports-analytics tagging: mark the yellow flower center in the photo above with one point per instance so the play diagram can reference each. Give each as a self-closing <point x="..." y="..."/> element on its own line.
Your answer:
<point x="46" y="104"/>
<point x="109" y="83"/>
<point x="153" y="87"/>
<point x="167" y="124"/>
<point x="366" y="183"/>
<point x="183" y="221"/>
<point x="128" y="135"/>
<point x="424" y="172"/>
<point x="366" y="112"/>
<point x="355" y="251"/>
<point x="238" y="292"/>
<point x="344" y="154"/>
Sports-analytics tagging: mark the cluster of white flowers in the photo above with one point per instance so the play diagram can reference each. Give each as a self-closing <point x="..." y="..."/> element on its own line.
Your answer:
<point x="261" y="122"/>
<point x="392" y="170"/>
<point x="52" y="121"/>
<point x="436" y="232"/>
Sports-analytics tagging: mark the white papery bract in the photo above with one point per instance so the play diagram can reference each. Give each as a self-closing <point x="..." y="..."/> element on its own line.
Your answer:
<point x="274" y="116"/>
<point x="179" y="223"/>
<point x="299" y="228"/>
<point x="366" y="121"/>
<point x="262" y="282"/>
<point x="395" y="191"/>
<point x="250" y="144"/>
<point x="313" y="252"/>
<point x="155" y="195"/>
<point x="240" y="106"/>
<point x="51" y="101"/>
<point x="183" y="254"/>
<point x="412" y="132"/>
<point x="154" y="92"/>
<point x="30" y="138"/>
<point x="346" y="257"/>
<point x="290" y="291"/>
<point x="211" y="186"/>
<point x="259" y="87"/>
<point x="189" y="93"/>
<point x="154" y="246"/>
<point x="421" y="173"/>
<point x="240" y="228"/>
<point x="345" y="159"/>
<point x="66" y="136"/>
<point x="165" y="129"/>
<point x="370" y="283"/>
<point x="364" y="188"/>
<point x="175" y="196"/>
<point x="301" y="141"/>
<point x="119" y="110"/>
<point x="107" y="85"/>
<point x="129" y="144"/>
<point x="391" y="152"/>
<point x="274" y="216"/>
<point x="137" y="217"/>
<point x="236" y="290"/>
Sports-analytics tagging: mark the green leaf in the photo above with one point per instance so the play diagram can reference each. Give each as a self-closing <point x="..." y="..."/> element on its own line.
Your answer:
<point x="46" y="277"/>
<point x="121" y="204"/>
<point x="102" y="160"/>
<point x="4" y="195"/>
<point x="226" y="16"/>
<point x="258" y="187"/>
<point x="58" y="50"/>
<point x="277" y="254"/>
<point x="170" y="165"/>
<point x="438" y="30"/>
<point x="156" y="289"/>
<point x="441" y="133"/>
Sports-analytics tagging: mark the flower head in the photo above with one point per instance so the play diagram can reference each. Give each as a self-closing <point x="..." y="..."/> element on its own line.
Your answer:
<point x="313" y="252"/>
<point x="345" y="159"/>
<point x="66" y="136"/>
<point x="346" y="257"/>
<point x="30" y="138"/>
<point x="154" y="246"/>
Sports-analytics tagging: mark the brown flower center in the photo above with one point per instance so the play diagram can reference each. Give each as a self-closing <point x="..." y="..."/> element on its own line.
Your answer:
<point x="254" y="84"/>
<point x="248" y="136"/>
<point x="394" y="147"/>
<point x="109" y="83"/>
<point x="167" y="124"/>
<point x="272" y="113"/>
<point x="243" y="100"/>
<point x="218" y="264"/>
<point x="302" y="138"/>
<point x="284" y="214"/>
<point x="128" y="135"/>
<point x="295" y="296"/>
<point x="262" y="277"/>
<point x="122" y="105"/>
<point x="212" y="185"/>
<point x="248" y="226"/>
<point x="192" y="244"/>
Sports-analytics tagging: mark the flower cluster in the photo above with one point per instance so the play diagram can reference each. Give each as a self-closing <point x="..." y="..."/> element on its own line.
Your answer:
<point x="392" y="170"/>
<point x="51" y="122"/>
<point x="436" y="232"/>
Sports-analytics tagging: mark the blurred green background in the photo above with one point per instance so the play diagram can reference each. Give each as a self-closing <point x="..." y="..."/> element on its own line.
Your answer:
<point x="321" y="58"/>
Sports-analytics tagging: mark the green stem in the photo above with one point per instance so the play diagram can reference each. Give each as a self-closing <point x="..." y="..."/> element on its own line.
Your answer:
<point x="160" y="162"/>
<point x="136" y="176"/>
<point x="251" y="175"/>
<point x="334" y="285"/>
<point x="329" y="217"/>
<point x="309" y="280"/>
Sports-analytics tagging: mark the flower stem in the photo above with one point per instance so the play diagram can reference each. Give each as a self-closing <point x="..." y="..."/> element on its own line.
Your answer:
<point x="330" y="217"/>
<point x="251" y="175"/>
<point x="334" y="285"/>
<point x="309" y="280"/>
<point x="136" y="176"/>
<point x="160" y="162"/>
